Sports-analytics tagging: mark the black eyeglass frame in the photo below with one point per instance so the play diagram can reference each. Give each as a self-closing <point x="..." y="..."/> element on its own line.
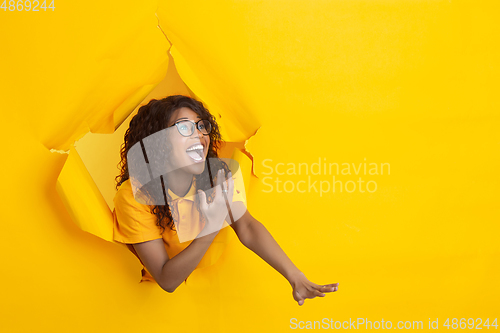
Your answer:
<point x="197" y="125"/>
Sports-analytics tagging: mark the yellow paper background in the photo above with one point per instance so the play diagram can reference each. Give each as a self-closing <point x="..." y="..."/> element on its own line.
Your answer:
<point x="409" y="83"/>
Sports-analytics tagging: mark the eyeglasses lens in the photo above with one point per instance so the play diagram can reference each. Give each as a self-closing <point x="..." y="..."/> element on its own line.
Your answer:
<point x="186" y="128"/>
<point x="205" y="126"/>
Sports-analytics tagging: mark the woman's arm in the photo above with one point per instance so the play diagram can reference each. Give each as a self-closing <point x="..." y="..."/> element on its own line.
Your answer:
<point x="255" y="236"/>
<point x="170" y="273"/>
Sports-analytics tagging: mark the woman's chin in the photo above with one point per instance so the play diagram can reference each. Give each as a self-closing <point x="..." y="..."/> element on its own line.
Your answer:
<point x="196" y="169"/>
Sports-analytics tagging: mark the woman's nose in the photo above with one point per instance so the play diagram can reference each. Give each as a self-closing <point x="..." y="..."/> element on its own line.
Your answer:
<point x="198" y="132"/>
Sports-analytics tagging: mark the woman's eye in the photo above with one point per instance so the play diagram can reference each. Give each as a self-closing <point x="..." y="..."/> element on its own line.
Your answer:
<point x="183" y="127"/>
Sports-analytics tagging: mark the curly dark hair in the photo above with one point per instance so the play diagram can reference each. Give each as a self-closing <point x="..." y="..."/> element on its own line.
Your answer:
<point x="155" y="116"/>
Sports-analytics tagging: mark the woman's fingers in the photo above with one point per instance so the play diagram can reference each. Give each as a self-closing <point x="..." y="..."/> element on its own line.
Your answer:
<point x="231" y="186"/>
<point x="230" y="189"/>
<point x="311" y="295"/>
<point x="327" y="287"/>
<point x="218" y="187"/>
<point x="307" y="294"/>
<point x="223" y="182"/>
<point x="333" y="286"/>
<point x="298" y="297"/>
<point x="203" y="200"/>
<point x="228" y="186"/>
<point x="317" y="293"/>
<point x="312" y="290"/>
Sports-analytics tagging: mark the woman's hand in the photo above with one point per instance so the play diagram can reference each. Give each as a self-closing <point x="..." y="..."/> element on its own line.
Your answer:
<point x="303" y="288"/>
<point x="216" y="212"/>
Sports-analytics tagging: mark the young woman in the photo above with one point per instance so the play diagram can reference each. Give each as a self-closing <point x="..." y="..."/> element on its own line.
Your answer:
<point x="193" y="137"/>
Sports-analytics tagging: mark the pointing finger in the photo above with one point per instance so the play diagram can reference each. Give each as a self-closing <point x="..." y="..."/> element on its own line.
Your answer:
<point x="231" y="186"/>
<point x="203" y="200"/>
<point x="218" y="187"/>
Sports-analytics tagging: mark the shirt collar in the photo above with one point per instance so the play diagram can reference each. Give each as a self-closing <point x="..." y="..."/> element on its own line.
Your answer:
<point x="189" y="196"/>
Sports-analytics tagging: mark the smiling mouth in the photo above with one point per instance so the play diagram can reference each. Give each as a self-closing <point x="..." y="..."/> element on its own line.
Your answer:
<point x="195" y="152"/>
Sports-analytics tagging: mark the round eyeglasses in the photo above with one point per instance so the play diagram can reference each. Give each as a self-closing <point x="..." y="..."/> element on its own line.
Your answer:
<point x="186" y="127"/>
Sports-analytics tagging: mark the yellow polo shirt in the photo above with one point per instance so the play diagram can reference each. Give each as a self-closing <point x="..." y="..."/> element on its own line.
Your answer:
<point x="133" y="223"/>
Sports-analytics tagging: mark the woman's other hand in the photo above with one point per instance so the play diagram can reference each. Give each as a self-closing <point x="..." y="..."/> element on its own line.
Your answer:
<point x="216" y="212"/>
<point x="303" y="288"/>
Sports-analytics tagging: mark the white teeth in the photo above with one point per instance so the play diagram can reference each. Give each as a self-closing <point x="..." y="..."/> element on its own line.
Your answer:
<point x="196" y="152"/>
<point x="195" y="147"/>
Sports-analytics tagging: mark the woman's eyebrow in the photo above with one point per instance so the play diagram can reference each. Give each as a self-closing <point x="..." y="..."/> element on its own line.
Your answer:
<point x="186" y="118"/>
